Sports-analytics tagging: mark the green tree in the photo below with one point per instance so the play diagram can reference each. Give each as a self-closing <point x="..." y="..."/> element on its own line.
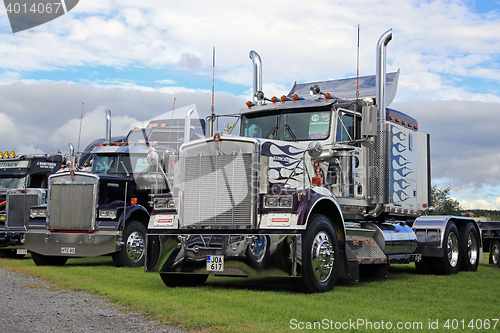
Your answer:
<point x="442" y="203"/>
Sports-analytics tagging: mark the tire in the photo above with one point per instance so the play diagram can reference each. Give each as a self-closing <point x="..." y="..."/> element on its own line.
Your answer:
<point x="183" y="280"/>
<point x="132" y="254"/>
<point x="449" y="263"/>
<point x="425" y="266"/>
<point x="469" y="248"/>
<point x="41" y="260"/>
<point x="495" y="253"/>
<point x="320" y="256"/>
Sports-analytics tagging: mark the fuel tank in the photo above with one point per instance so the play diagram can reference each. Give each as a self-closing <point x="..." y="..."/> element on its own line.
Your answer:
<point x="394" y="238"/>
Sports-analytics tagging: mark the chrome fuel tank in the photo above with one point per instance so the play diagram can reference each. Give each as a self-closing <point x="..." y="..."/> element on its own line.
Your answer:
<point x="394" y="238"/>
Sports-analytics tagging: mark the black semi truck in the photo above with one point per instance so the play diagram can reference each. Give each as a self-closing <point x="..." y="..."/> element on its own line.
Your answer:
<point x="23" y="183"/>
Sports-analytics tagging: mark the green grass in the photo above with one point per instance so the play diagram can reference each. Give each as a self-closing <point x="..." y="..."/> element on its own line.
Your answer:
<point x="269" y="304"/>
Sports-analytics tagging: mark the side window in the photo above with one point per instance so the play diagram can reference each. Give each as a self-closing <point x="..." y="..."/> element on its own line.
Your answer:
<point x="348" y="127"/>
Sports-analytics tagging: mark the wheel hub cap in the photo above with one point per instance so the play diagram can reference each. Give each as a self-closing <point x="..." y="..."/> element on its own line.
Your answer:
<point x="452" y="249"/>
<point x="322" y="256"/>
<point x="472" y="248"/>
<point x="135" y="246"/>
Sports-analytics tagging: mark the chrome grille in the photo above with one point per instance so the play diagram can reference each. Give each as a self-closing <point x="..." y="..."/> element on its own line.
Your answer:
<point x="18" y="208"/>
<point x="218" y="191"/>
<point x="71" y="206"/>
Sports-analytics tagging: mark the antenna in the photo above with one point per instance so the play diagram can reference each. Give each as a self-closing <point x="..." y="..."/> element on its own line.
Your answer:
<point x="174" y="104"/>
<point x="80" y="134"/>
<point x="213" y="88"/>
<point x="357" y="71"/>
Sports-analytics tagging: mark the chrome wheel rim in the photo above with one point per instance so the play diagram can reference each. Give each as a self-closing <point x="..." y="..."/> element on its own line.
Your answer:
<point x="495" y="254"/>
<point x="258" y="248"/>
<point x="472" y="248"/>
<point x="452" y="248"/>
<point x="322" y="256"/>
<point x="135" y="246"/>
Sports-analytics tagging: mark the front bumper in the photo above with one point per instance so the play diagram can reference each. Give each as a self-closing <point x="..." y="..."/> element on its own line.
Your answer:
<point x="244" y="254"/>
<point x="72" y="244"/>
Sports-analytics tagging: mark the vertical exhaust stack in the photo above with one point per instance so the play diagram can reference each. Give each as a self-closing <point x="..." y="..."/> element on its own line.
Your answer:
<point x="187" y="124"/>
<point x="257" y="77"/>
<point x="107" y="141"/>
<point x="380" y="74"/>
<point x="381" y="152"/>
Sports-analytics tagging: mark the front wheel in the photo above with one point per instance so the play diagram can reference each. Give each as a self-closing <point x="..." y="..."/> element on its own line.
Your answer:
<point x="320" y="256"/>
<point x="132" y="254"/>
<point x="41" y="260"/>
<point x="469" y="248"/>
<point x="495" y="253"/>
<point x="449" y="263"/>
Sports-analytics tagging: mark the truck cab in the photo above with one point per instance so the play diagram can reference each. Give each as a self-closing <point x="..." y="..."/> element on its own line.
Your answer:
<point x="23" y="183"/>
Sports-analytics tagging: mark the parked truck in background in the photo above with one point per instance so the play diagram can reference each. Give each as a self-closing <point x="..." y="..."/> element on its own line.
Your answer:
<point x="318" y="188"/>
<point x="23" y="183"/>
<point x="107" y="211"/>
<point x="490" y="234"/>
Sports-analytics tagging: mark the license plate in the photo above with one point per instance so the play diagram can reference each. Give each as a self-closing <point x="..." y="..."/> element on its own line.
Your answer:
<point x="215" y="263"/>
<point x="68" y="250"/>
<point x="22" y="251"/>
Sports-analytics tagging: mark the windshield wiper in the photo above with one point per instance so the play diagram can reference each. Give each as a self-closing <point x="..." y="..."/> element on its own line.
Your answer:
<point x="275" y="129"/>
<point x="125" y="168"/>
<point x="289" y="129"/>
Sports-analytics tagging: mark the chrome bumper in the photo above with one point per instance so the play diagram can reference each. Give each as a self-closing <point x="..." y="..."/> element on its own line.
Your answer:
<point x="244" y="255"/>
<point x="72" y="244"/>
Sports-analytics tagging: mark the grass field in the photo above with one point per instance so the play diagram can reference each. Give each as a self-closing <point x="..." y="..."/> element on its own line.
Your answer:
<point x="271" y="305"/>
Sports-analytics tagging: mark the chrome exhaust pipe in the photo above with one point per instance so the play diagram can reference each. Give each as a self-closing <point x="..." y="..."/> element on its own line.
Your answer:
<point x="381" y="75"/>
<point x="108" y="127"/>
<point x="187" y="125"/>
<point x="257" y="75"/>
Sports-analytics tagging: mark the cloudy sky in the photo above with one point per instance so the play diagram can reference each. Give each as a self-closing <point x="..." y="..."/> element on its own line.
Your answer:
<point x="135" y="57"/>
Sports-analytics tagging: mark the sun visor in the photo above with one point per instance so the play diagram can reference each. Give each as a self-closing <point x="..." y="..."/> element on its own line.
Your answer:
<point x="346" y="88"/>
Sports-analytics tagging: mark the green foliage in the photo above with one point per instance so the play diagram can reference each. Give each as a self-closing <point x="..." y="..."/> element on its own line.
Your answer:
<point x="260" y="304"/>
<point x="491" y="215"/>
<point x="442" y="203"/>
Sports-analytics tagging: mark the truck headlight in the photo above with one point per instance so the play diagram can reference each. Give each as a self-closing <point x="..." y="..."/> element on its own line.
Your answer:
<point x="278" y="201"/>
<point x="164" y="203"/>
<point x="107" y="213"/>
<point x="37" y="212"/>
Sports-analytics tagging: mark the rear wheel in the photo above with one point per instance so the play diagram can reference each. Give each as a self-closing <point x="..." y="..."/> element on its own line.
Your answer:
<point x="469" y="248"/>
<point x="449" y="263"/>
<point x="183" y="280"/>
<point x="132" y="254"/>
<point x="41" y="260"/>
<point x="320" y="256"/>
<point x="495" y="253"/>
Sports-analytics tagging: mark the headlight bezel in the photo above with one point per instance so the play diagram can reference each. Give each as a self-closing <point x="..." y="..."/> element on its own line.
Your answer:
<point x="278" y="201"/>
<point x="38" y="213"/>
<point x="107" y="214"/>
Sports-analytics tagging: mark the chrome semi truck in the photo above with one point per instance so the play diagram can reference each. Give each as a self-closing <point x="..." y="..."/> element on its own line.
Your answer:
<point x="107" y="210"/>
<point x="322" y="184"/>
<point x="23" y="183"/>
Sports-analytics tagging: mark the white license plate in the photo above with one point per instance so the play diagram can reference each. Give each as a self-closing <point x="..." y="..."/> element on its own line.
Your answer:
<point x="68" y="250"/>
<point x="22" y="251"/>
<point x="215" y="263"/>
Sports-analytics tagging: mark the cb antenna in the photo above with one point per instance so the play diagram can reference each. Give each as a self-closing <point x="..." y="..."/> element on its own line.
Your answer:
<point x="80" y="134"/>
<point x="212" y="116"/>
<point x="357" y="71"/>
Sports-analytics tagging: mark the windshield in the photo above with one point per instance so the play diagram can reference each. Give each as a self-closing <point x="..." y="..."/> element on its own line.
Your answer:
<point x="11" y="183"/>
<point x="312" y="124"/>
<point x="119" y="163"/>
